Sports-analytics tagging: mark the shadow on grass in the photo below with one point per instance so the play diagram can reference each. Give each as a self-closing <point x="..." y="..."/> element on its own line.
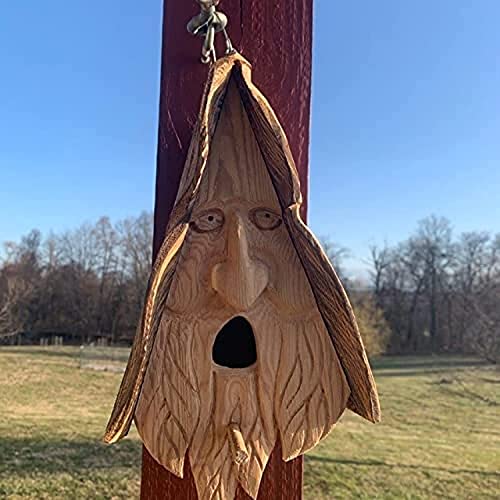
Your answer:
<point x="423" y="363"/>
<point x="23" y="456"/>
<point x="380" y="463"/>
<point x="35" y="351"/>
<point x="88" y="355"/>
<point x="419" y="373"/>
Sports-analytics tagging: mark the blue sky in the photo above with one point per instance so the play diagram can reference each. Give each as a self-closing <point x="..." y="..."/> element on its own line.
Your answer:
<point x="405" y="118"/>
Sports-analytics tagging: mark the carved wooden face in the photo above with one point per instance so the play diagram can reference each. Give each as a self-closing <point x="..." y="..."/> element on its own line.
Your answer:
<point x="242" y="351"/>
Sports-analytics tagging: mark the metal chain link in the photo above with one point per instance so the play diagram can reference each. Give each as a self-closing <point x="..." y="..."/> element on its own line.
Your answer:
<point x="206" y="24"/>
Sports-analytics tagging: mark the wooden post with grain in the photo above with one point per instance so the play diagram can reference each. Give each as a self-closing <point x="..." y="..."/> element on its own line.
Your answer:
<point x="277" y="38"/>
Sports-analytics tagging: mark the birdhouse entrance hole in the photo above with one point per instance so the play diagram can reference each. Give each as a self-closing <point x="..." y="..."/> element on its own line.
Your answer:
<point x="234" y="346"/>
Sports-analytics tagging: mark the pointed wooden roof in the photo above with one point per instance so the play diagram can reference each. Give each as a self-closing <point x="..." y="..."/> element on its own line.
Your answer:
<point x="330" y="296"/>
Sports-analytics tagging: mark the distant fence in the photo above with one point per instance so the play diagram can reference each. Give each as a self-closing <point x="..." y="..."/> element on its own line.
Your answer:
<point x="100" y="357"/>
<point x="52" y="340"/>
<point x="42" y="339"/>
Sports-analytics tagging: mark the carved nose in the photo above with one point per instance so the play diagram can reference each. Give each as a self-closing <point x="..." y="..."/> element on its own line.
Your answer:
<point x="240" y="279"/>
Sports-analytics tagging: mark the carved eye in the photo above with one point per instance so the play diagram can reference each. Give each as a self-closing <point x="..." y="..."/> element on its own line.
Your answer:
<point x="265" y="219"/>
<point x="207" y="221"/>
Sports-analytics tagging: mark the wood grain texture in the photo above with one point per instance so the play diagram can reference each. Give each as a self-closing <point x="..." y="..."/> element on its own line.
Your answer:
<point x="325" y="289"/>
<point x="238" y="261"/>
<point x="239" y="449"/>
<point x="329" y="293"/>
<point x="277" y="37"/>
<point x="156" y="297"/>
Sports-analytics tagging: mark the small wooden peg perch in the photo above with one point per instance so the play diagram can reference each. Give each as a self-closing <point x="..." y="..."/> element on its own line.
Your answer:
<point x="237" y="444"/>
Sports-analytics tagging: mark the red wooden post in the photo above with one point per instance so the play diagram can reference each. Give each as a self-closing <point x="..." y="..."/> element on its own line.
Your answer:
<point x="276" y="37"/>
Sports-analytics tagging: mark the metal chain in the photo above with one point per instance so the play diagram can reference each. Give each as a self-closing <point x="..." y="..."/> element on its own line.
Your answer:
<point x="207" y="23"/>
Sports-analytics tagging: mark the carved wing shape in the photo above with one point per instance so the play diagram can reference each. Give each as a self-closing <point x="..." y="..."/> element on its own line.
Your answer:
<point x="156" y="296"/>
<point x="330" y="295"/>
<point x="164" y="267"/>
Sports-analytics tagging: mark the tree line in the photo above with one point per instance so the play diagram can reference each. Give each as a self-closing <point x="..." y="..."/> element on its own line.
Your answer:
<point x="440" y="292"/>
<point x="84" y="284"/>
<point x="433" y="292"/>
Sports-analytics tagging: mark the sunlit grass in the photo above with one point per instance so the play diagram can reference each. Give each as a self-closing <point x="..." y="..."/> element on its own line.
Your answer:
<point x="440" y="435"/>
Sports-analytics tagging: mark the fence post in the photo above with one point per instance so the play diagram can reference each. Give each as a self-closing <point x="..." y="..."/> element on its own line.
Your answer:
<point x="276" y="37"/>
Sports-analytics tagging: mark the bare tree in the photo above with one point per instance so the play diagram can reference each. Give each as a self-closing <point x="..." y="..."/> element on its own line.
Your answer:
<point x="483" y="334"/>
<point x="477" y="281"/>
<point x="19" y="278"/>
<point x="136" y="237"/>
<point x="380" y="261"/>
<point x="337" y="254"/>
<point x="15" y="291"/>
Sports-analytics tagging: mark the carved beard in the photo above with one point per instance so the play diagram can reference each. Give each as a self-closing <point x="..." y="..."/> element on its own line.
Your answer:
<point x="297" y="388"/>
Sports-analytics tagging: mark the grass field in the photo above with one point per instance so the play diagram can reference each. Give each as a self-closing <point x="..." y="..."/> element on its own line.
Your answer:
<point x="440" y="436"/>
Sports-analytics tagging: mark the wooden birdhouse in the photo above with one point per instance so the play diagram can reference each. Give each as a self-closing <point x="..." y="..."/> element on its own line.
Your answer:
<point x="247" y="336"/>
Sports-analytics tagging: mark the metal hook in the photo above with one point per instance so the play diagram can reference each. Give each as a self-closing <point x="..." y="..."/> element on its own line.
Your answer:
<point x="207" y="23"/>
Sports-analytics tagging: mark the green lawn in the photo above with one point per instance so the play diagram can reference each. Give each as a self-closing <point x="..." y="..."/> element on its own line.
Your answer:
<point x="440" y="436"/>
